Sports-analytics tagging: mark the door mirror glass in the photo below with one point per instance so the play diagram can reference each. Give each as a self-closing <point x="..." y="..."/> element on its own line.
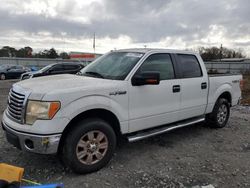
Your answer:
<point x="146" y="78"/>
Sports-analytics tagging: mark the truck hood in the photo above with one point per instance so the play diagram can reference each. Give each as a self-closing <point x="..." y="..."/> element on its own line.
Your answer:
<point x="65" y="83"/>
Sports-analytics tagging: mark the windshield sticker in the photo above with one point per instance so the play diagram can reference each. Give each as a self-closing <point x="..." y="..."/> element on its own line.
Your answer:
<point x="131" y="54"/>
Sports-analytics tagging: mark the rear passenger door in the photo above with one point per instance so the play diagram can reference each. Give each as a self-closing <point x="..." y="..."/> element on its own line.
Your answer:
<point x="194" y="86"/>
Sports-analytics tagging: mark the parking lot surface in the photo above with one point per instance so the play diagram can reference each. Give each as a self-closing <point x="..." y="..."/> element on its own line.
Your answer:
<point x="188" y="157"/>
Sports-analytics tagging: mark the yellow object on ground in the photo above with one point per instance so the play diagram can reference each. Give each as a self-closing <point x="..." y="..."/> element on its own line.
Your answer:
<point x="11" y="173"/>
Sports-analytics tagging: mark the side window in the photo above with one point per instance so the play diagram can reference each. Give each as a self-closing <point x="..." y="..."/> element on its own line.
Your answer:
<point x="161" y="63"/>
<point x="57" y="68"/>
<point x="12" y="67"/>
<point x="71" y="67"/>
<point x="19" y="67"/>
<point x="189" y="65"/>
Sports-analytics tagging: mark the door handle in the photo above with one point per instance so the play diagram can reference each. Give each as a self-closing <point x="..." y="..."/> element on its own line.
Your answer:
<point x="204" y="85"/>
<point x="176" y="88"/>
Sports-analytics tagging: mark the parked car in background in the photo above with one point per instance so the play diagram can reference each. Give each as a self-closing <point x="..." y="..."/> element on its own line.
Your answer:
<point x="56" y="68"/>
<point x="12" y="71"/>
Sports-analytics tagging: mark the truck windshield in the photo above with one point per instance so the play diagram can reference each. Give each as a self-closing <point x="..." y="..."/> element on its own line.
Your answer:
<point x="114" y="65"/>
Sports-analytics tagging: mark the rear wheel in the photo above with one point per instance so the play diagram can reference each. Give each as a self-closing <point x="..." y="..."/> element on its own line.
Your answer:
<point x="89" y="146"/>
<point x="2" y="76"/>
<point x="220" y="114"/>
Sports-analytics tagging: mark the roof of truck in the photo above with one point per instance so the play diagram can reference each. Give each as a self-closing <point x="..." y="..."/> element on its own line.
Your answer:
<point x="145" y="50"/>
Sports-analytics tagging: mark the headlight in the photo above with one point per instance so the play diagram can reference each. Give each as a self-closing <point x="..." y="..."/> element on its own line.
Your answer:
<point x="40" y="110"/>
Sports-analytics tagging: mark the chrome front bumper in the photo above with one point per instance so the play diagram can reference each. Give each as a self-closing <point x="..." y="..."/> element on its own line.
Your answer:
<point x="42" y="144"/>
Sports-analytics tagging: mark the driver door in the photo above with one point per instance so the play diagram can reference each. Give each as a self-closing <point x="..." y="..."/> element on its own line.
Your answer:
<point x="154" y="105"/>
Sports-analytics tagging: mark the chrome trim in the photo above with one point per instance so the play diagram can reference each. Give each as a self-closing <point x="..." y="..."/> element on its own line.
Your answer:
<point x="19" y="96"/>
<point x="150" y="133"/>
<point x="17" y="100"/>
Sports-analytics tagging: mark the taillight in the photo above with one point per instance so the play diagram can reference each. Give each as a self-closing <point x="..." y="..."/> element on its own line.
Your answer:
<point x="241" y="84"/>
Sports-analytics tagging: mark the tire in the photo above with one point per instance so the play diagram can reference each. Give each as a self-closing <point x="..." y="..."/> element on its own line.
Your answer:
<point x="2" y="76"/>
<point x="220" y="114"/>
<point x="89" y="146"/>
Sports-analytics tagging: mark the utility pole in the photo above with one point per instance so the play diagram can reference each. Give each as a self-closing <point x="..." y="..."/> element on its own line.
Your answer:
<point x="94" y="44"/>
<point x="221" y="52"/>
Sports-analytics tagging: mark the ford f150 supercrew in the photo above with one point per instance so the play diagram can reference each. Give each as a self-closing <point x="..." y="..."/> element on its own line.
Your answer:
<point x="132" y="93"/>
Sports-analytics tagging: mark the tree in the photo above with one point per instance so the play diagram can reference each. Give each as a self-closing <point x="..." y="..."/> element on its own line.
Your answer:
<point x="52" y="53"/>
<point x="47" y="54"/>
<point x="8" y="51"/>
<point x="64" y="55"/>
<point x="213" y="53"/>
<point x="24" y="52"/>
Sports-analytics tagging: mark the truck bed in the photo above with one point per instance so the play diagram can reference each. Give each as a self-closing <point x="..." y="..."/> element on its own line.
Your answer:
<point x="222" y="74"/>
<point x="218" y="83"/>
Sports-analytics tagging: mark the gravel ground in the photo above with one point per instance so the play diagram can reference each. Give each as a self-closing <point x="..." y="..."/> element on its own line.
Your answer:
<point x="194" y="156"/>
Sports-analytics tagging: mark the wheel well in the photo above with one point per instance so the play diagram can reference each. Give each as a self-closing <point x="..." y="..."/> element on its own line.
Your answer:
<point x="100" y="113"/>
<point x="226" y="95"/>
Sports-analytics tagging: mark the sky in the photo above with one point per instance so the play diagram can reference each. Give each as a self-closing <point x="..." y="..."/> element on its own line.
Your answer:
<point x="69" y="25"/>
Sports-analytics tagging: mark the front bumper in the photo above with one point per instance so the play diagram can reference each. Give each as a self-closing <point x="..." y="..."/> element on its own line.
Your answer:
<point x="42" y="144"/>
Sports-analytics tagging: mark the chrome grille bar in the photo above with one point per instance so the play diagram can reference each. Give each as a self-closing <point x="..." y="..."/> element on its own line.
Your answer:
<point x="16" y="105"/>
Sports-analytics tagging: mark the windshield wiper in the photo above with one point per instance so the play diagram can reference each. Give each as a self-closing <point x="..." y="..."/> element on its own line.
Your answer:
<point x="95" y="74"/>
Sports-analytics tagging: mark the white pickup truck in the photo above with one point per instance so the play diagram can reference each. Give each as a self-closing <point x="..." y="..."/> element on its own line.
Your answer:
<point x="132" y="93"/>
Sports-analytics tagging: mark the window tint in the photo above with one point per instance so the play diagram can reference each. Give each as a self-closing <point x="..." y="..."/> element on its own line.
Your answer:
<point x="189" y="65"/>
<point x="12" y="67"/>
<point x="19" y="67"/>
<point x="161" y="63"/>
<point x="71" y="67"/>
<point x="57" y="68"/>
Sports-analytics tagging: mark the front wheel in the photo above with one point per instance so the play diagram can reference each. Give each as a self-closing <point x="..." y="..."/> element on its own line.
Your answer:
<point x="220" y="114"/>
<point x="89" y="146"/>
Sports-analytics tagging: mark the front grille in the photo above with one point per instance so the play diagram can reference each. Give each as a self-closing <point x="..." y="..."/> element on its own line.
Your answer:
<point x="15" y="105"/>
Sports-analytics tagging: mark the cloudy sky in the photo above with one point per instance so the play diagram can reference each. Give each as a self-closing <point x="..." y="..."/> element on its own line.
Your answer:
<point x="68" y="25"/>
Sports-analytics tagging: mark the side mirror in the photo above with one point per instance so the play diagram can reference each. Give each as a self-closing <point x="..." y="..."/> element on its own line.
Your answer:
<point x="146" y="78"/>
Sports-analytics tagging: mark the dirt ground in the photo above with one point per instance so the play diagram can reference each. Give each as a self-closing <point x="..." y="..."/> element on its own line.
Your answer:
<point x="189" y="157"/>
<point x="246" y="90"/>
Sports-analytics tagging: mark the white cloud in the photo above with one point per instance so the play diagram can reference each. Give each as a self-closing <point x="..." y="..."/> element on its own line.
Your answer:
<point x="70" y="24"/>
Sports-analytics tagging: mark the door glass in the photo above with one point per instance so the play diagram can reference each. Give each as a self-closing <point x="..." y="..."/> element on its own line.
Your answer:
<point x="189" y="65"/>
<point x="19" y="67"/>
<point x="57" y="68"/>
<point x="70" y="67"/>
<point x="161" y="63"/>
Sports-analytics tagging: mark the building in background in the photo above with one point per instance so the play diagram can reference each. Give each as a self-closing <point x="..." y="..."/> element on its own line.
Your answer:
<point x="84" y="56"/>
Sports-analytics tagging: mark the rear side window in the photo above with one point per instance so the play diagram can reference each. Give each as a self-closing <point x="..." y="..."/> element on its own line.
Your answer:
<point x="189" y="66"/>
<point x="58" y="68"/>
<point x="161" y="63"/>
<point x="71" y="67"/>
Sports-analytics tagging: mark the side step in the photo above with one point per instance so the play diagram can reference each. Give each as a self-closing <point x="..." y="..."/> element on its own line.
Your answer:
<point x="152" y="132"/>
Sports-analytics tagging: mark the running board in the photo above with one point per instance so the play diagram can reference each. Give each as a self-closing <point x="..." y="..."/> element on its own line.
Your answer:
<point x="152" y="132"/>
